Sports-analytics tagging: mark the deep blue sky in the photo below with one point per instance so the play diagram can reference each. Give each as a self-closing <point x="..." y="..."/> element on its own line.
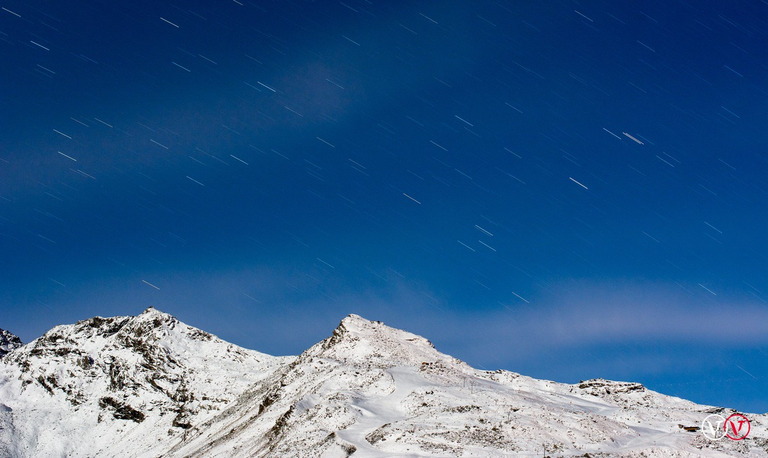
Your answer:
<point x="563" y="189"/>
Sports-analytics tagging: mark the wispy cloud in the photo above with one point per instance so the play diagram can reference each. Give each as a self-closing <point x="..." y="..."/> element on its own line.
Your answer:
<point x="627" y="312"/>
<point x="299" y="306"/>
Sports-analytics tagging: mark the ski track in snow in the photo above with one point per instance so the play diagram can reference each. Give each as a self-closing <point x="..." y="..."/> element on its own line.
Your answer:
<point x="375" y="412"/>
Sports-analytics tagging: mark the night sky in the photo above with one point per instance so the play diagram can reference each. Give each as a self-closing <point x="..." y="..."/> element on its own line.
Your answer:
<point x="563" y="189"/>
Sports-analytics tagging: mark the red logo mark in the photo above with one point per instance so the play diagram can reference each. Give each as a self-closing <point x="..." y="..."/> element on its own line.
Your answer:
<point x="737" y="427"/>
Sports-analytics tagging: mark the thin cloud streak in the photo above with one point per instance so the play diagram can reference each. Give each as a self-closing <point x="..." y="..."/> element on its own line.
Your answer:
<point x="622" y="313"/>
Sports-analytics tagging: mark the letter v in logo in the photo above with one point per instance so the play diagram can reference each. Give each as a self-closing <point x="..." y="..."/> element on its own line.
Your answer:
<point x="737" y="427"/>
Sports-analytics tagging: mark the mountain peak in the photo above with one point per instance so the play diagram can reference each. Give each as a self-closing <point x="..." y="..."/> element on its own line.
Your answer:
<point x="151" y="371"/>
<point x="8" y="342"/>
<point x="150" y="385"/>
<point x="154" y="318"/>
<point x="149" y="322"/>
<point x="358" y="324"/>
<point x="357" y="340"/>
<point x="152" y="311"/>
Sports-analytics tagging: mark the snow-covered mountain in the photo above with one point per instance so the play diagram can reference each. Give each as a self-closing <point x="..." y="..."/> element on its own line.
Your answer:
<point x="152" y="386"/>
<point x="122" y="386"/>
<point x="8" y="342"/>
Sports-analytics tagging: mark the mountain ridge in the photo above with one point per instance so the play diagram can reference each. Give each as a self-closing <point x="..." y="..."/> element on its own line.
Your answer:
<point x="150" y="385"/>
<point x="149" y="372"/>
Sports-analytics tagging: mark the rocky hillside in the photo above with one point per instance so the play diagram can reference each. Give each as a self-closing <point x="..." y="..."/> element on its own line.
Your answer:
<point x="131" y="385"/>
<point x="151" y="385"/>
<point x="8" y="342"/>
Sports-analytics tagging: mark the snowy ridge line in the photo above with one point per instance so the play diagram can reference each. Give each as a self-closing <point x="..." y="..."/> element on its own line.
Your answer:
<point x="150" y="385"/>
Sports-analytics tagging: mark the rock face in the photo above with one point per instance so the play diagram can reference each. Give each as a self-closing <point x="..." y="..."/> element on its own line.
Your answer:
<point x="150" y="385"/>
<point x="130" y="385"/>
<point x="8" y="342"/>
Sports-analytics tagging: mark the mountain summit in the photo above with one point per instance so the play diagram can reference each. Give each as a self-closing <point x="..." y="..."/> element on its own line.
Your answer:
<point x="150" y="385"/>
<point x="131" y="385"/>
<point x="372" y="343"/>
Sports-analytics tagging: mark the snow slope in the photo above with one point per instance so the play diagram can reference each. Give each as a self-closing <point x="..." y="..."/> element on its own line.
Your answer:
<point x="367" y="390"/>
<point x="122" y="386"/>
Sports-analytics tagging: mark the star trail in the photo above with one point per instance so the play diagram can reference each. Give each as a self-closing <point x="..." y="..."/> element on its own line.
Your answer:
<point x="563" y="189"/>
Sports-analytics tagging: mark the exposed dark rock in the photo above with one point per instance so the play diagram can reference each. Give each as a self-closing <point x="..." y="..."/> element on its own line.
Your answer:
<point x="122" y="411"/>
<point x="8" y="342"/>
